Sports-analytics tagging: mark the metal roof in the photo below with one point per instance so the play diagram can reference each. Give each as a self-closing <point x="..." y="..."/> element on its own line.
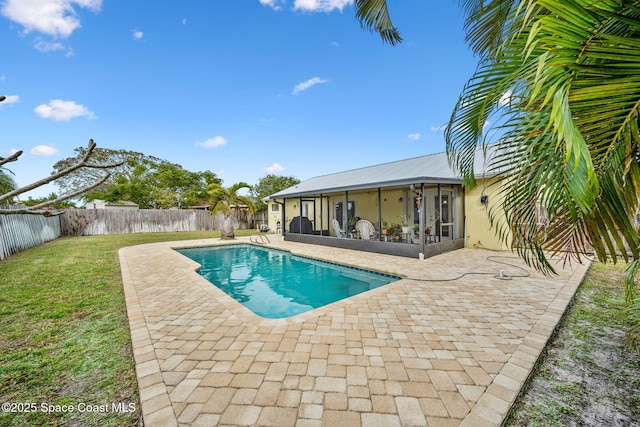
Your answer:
<point x="432" y="168"/>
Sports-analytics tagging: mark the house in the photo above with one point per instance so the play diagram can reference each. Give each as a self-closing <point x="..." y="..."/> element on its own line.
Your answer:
<point x="120" y="204"/>
<point x="420" y="201"/>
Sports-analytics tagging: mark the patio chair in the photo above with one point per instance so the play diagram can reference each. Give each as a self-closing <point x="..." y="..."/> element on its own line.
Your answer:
<point x="366" y="230"/>
<point x="340" y="233"/>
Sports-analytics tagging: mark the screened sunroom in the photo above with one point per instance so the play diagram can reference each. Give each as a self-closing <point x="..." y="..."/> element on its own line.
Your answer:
<point x="413" y="207"/>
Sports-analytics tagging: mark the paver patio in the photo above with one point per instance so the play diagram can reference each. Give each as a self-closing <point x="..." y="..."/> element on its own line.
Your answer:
<point x="411" y="353"/>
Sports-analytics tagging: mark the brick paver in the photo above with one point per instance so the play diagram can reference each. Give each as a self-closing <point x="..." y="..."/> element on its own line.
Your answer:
<point x="425" y="350"/>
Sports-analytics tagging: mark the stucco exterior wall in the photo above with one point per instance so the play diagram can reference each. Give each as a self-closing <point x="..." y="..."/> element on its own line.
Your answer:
<point x="478" y="227"/>
<point x="273" y="216"/>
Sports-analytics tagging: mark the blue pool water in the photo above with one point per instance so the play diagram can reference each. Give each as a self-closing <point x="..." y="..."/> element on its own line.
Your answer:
<point x="276" y="284"/>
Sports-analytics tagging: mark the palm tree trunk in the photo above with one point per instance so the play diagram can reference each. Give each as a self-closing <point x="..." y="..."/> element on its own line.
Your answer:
<point x="227" y="232"/>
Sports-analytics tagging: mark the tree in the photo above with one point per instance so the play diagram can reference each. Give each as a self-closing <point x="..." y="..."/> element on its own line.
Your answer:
<point x="136" y="187"/>
<point x="52" y="196"/>
<point x="82" y="164"/>
<point x="571" y="126"/>
<point x="7" y="183"/>
<point x="560" y="78"/>
<point x="225" y="200"/>
<point x="148" y="181"/>
<point x="179" y="188"/>
<point x="133" y="166"/>
<point x="268" y="185"/>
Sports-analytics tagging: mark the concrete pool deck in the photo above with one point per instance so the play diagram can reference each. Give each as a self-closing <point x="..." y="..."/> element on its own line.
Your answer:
<point x="411" y="353"/>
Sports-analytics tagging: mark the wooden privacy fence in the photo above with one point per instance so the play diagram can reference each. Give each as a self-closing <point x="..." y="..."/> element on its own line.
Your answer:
<point x="90" y="222"/>
<point x="20" y="232"/>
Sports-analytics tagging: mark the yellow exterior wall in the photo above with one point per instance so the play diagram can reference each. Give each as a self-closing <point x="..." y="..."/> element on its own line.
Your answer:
<point x="273" y="216"/>
<point x="478" y="227"/>
<point x="366" y="204"/>
<point x="392" y="206"/>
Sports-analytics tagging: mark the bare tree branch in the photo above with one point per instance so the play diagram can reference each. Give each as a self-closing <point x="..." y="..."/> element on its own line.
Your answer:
<point x="82" y="163"/>
<point x="29" y="211"/>
<point x="11" y="158"/>
<point x="70" y="195"/>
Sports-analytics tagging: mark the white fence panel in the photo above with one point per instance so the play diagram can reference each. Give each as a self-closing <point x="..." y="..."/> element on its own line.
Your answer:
<point x="93" y="222"/>
<point x="22" y="231"/>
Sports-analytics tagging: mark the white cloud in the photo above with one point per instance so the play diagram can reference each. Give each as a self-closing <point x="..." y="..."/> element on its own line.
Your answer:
<point x="3" y="78"/>
<point x="413" y="136"/>
<point x="61" y="111"/>
<point x="10" y="99"/>
<point x="438" y="128"/>
<point x="335" y="44"/>
<point x="320" y="5"/>
<point x="309" y="83"/>
<point x="48" y="46"/>
<point x="137" y="35"/>
<point x="56" y="18"/>
<point x="276" y="167"/>
<point x="44" y="150"/>
<point x="274" y="4"/>
<point x="216" y="141"/>
<point x="184" y="21"/>
<point x="505" y="100"/>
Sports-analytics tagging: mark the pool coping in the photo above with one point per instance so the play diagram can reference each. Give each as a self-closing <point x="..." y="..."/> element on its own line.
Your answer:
<point x="248" y="316"/>
<point x="159" y="404"/>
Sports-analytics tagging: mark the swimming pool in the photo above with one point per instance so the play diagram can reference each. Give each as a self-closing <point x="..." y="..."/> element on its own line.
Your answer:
<point x="276" y="284"/>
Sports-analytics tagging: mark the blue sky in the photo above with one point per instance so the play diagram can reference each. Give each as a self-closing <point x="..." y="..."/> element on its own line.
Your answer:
<point x="238" y="87"/>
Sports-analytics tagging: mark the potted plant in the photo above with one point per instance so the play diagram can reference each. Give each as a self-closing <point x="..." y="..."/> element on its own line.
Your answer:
<point x="405" y="226"/>
<point x="434" y="222"/>
<point x="396" y="231"/>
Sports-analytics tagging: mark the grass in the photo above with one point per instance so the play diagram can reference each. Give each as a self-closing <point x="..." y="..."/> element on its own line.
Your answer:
<point x="589" y="375"/>
<point x="64" y="335"/>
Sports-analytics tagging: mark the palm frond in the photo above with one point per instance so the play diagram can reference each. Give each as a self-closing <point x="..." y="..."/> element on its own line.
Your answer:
<point x="374" y="16"/>
<point x="570" y="132"/>
<point x="486" y="23"/>
<point x="7" y="183"/>
<point x="223" y="199"/>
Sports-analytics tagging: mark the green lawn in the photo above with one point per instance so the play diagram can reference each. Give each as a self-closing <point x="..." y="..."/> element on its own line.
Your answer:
<point x="64" y="336"/>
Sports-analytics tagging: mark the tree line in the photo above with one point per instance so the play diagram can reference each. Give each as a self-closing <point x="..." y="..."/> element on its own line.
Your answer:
<point x="151" y="183"/>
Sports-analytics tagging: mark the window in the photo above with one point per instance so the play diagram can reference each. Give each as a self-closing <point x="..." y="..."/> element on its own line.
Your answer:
<point x="351" y="210"/>
<point x="275" y="207"/>
<point x="305" y="209"/>
<point x="339" y="213"/>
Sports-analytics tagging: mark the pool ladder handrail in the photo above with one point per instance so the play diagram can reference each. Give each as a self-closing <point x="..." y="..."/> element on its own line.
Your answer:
<point x="259" y="239"/>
